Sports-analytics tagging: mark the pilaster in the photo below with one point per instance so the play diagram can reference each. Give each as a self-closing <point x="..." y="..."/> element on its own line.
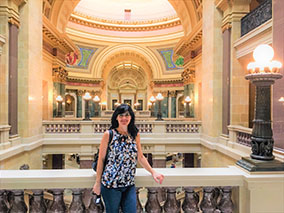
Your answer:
<point x="211" y="70"/>
<point x="232" y="12"/>
<point x="278" y="88"/>
<point x="30" y="69"/>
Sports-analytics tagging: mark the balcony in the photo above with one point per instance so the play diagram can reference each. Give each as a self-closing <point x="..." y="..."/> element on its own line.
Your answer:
<point x="187" y="190"/>
<point x="257" y="17"/>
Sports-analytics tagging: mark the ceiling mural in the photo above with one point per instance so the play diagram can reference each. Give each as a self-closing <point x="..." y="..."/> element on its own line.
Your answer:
<point x="169" y="62"/>
<point x="86" y="54"/>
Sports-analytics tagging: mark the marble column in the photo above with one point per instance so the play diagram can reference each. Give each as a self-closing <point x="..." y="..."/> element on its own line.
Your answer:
<point x="226" y="80"/>
<point x="79" y="103"/>
<point x="13" y="78"/>
<point x="4" y="127"/>
<point x="278" y="88"/>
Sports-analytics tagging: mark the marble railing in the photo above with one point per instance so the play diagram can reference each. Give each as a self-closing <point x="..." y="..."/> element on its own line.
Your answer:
<point x="100" y="126"/>
<point x="240" y="135"/>
<point x="200" y="190"/>
<point x="255" y="18"/>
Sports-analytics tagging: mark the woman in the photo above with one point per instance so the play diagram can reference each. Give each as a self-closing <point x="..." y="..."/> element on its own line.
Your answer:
<point x="116" y="181"/>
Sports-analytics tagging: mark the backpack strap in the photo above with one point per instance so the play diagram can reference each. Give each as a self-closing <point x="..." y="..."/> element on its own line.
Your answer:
<point x="110" y="135"/>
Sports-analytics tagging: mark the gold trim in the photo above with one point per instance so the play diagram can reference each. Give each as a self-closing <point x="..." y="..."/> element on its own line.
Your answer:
<point x="125" y="27"/>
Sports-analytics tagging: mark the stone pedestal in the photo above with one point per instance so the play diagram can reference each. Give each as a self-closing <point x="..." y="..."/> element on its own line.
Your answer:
<point x="253" y="165"/>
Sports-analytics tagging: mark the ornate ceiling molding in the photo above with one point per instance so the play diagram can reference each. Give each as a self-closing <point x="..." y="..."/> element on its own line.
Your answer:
<point x="123" y="25"/>
<point x="84" y="80"/>
<point x="191" y="42"/>
<point x="168" y="81"/>
<point x="55" y="38"/>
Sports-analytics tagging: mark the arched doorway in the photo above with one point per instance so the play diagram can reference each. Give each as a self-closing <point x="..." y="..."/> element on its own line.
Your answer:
<point x="127" y="83"/>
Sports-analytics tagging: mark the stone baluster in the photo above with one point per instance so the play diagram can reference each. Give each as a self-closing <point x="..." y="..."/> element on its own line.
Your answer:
<point x="58" y="204"/>
<point x="191" y="200"/>
<point x="152" y="204"/>
<point x="226" y="204"/>
<point x="139" y="208"/>
<point x="77" y="205"/>
<point x="208" y="203"/>
<point x="3" y="202"/>
<point x="18" y="203"/>
<point x="37" y="204"/>
<point x="171" y="204"/>
<point x="95" y="207"/>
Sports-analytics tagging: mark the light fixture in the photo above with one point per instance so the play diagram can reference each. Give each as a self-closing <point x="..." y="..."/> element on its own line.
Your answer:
<point x="87" y="96"/>
<point x="96" y="99"/>
<point x="159" y="97"/>
<point x="59" y="98"/>
<point x="262" y="73"/>
<point x="263" y="55"/>
<point x="187" y="102"/>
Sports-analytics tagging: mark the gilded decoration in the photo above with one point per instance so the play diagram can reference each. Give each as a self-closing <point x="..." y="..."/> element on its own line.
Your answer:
<point x="126" y="78"/>
<point x="59" y="74"/>
<point x="188" y="76"/>
<point x="168" y="59"/>
<point x="191" y="42"/>
<point x="120" y="25"/>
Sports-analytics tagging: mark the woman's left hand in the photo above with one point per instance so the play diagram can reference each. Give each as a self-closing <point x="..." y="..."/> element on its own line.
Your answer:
<point x="158" y="177"/>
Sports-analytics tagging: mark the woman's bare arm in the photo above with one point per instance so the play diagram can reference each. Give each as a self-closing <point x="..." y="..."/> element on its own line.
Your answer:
<point x="144" y="162"/>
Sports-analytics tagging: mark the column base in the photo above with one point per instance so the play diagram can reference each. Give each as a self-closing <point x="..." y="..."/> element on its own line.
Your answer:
<point x="253" y="165"/>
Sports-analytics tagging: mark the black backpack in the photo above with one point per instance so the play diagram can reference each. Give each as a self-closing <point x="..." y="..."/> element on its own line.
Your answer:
<point x="96" y="156"/>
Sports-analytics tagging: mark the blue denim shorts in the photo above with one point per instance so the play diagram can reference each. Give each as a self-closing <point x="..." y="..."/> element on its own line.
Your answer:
<point x="124" y="197"/>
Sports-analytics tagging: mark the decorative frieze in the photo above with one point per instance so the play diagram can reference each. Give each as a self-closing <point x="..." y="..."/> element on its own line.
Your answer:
<point x="188" y="76"/>
<point x="191" y="42"/>
<point x="59" y="74"/>
<point x="124" y="26"/>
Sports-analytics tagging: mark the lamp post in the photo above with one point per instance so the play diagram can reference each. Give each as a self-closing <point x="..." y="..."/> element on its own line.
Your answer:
<point x="96" y="99"/>
<point x="159" y="97"/>
<point x="187" y="101"/>
<point x="263" y="73"/>
<point x="59" y="100"/>
<point x="152" y="101"/>
<point x="87" y="97"/>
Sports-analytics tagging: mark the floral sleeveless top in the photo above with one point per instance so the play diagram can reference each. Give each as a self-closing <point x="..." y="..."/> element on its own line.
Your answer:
<point x="121" y="162"/>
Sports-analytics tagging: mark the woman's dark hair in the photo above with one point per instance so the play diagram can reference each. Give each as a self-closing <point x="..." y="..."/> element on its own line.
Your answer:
<point x="132" y="129"/>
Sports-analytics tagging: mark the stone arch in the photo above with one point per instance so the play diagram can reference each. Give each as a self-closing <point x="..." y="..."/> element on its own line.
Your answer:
<point x="113" y="55"/>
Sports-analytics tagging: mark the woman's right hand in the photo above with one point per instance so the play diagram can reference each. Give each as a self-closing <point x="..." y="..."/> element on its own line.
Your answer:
<point x="97" y="188"/>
